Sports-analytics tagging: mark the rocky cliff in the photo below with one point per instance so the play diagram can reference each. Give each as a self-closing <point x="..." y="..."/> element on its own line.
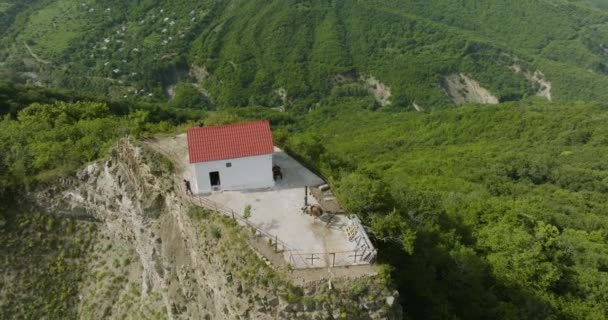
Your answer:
<point x="156" y="256"/>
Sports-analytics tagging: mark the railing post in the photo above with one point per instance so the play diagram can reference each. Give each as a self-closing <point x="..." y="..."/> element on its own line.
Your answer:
<point x="276" y="244"/>
<point x="333" y="261"/>
<point x="305" y="196"/>
<point x="233" y="215"/>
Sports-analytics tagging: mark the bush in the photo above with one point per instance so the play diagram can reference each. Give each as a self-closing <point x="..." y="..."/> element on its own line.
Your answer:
<point x="198" y="213"/>
<point x="247" y="212"/>
<point x="294" y="294"/>
<point x="215" y="232"/>
<point x="357" y="290"/>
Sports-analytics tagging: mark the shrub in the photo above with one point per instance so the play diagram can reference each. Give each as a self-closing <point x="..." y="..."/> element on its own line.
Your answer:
<point x="294" y="294"/>
<point x="357" y="290"/>
<point x="247" y="212"/>
<point x="215" y="232"/>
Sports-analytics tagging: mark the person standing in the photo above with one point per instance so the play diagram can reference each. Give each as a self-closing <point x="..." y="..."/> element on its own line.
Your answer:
<point x="188" y="187"/>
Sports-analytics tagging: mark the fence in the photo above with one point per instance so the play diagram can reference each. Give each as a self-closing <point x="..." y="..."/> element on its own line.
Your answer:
<point x="297" y="259"/>
<point x="302" y="260"/>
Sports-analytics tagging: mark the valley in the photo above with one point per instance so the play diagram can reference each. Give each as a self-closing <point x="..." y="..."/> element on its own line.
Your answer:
<point x="137" y="51"/>
<point x="469" y="137"/>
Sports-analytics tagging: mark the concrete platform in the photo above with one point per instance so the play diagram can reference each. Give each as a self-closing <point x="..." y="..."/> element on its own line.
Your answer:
<point x="277" y="211"/>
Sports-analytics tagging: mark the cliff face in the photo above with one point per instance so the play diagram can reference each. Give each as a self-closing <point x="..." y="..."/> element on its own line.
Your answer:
<point x="156" y="256"/>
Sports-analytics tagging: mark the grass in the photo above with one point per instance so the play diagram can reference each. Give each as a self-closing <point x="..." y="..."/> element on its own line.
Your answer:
<point x="4" y="6"/>
<point x="231" y="237"/>
<point x="46" y="265"/>
<point x="215" y="232"/>
<point x="407" y="45"/>
<point x="50" y="30"/>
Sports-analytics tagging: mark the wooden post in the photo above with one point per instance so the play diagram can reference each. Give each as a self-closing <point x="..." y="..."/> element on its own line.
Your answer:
<point x="333" y="261"/>
<point x="276" y="244"/>
<point x="305" y="196"/>
<point x="233" y="215"/>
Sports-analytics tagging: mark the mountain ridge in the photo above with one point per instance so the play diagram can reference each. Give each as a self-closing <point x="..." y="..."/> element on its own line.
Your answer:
<point x="253" y="48"/>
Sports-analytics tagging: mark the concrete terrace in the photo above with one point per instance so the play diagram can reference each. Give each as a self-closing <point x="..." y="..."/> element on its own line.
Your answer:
<point x="305" y="242"/>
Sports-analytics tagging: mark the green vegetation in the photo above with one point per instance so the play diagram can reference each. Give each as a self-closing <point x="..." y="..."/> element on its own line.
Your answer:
<point x="480" y="212"/>
<point x="247" y="212"/>
<point x="45" y="135"/>
<point x="51" y="28"/>
<point x="227" y="237"/>
<point x="43" y="257"/>
<point x="485" y="212"/>
<point x="293" y="54"/>
<point x="4" y="6"/>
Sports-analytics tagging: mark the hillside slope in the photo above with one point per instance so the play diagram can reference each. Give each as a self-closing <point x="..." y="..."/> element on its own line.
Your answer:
<point x="117" y="241"/>
<point x="293" y="53"/>
<point x="485" y="211"/>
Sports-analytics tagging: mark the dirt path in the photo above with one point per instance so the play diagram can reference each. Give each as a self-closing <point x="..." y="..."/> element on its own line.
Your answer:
<point x="36" y="57"/>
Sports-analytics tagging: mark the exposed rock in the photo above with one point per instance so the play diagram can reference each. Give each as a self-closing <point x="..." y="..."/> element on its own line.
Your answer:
<point x="381" y="91"/>
<point x="375" y="87"/>
<point x="537" y="78"/>
<point x="167" y="266"/>
<point x="462" y="89"/>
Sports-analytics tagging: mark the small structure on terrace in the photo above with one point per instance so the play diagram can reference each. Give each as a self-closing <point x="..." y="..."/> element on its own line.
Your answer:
<point x="274" y="210"/>
<point x="231" y="157"/>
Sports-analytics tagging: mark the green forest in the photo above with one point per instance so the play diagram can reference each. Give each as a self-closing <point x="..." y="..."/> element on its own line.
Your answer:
<point x="45" y="136"/>
<point x="241" y="53"/>
<point x="484" y="212"/>
<point x="479" y="211"/>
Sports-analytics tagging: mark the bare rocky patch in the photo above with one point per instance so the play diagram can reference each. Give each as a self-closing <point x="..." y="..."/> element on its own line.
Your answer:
<point x="157" y="256"/>
<point x="463" y="89"/>
<point x="535" y="78"/>
<point x="282" y="93"/>
<point x="380" y="91"/>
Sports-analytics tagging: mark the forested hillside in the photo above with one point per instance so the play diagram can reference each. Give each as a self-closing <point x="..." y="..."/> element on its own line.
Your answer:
<point x="45" y="137"/>
<point x="293" y="53"/>
<point x="485" y="212"/>
<point x="479" y="211"/>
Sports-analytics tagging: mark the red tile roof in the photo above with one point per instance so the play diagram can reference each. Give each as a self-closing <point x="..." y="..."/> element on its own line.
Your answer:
<point x="229" y="141"/>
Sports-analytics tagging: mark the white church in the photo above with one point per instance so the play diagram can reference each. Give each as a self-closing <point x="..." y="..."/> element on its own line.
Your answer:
<point x="231" y="157"/>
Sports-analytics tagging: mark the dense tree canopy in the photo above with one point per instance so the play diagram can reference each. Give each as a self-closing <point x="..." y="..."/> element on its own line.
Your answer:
<point x="291" y="53"/>
<point x="486" y="212"/>
<point x="482" y="212"/>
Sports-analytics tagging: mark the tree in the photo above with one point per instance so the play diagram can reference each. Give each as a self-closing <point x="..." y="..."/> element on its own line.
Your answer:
<point x="189" y="97"/>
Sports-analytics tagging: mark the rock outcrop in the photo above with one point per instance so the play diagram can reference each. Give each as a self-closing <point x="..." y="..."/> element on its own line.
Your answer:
<point x="156" y="256"/>
<point x="462" y="89"/>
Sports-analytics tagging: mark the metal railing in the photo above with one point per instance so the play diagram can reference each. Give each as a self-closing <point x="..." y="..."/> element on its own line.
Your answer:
<point x="296" y="258"/>
<point x="329" y="259"/>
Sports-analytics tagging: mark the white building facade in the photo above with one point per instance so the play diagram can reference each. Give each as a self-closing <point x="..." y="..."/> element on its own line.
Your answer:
<point x="231" y="157"/>
<point x="234" y="174"/>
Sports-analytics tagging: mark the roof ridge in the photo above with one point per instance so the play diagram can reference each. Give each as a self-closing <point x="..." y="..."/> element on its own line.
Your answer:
<point x="231" y="124"/>
<point x="235" y="140"/>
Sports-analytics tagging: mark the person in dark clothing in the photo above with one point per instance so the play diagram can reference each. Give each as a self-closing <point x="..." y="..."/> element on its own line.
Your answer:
<point x="276" y="173"/>
<point x="188" y="188"/>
